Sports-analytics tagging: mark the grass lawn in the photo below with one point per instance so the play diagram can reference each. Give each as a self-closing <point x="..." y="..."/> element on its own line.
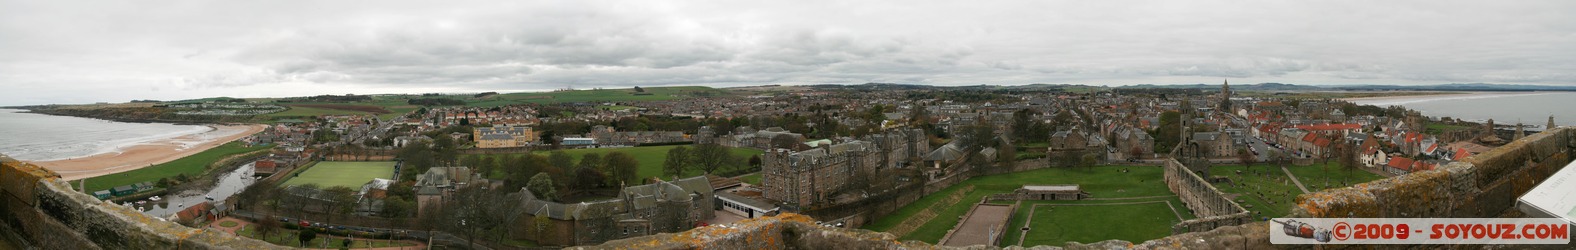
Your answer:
<point x="1049" y="237"/>
<point x="1100" y="182"/>
<point x="191" y="166"/>
<point x="286" y="237"/>
<point x="343" y="174"/>
<point x="1056" y="225"/>
<point x="752" y="179"/>
<point x="651" y="158"/>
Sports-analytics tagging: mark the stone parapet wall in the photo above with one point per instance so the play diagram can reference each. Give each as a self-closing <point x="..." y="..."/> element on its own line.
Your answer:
<point x="1484" y="185"/>
<point x="47" y="212"/>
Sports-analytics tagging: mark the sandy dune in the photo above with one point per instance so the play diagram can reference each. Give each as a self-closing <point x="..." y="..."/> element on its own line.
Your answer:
<point x="149" y="153"/>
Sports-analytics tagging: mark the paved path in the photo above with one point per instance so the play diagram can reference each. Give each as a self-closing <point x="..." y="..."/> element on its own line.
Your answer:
<point x="1295" y="181"/>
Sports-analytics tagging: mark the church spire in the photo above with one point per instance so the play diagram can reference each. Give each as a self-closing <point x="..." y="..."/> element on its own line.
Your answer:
<point x="1225" y="96"/>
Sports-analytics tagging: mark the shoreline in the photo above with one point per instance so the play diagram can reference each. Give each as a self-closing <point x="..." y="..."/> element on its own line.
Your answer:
<point x="1383" y="101"/>
<point x="149" y="153"/>
<point x="1399" y="97"/>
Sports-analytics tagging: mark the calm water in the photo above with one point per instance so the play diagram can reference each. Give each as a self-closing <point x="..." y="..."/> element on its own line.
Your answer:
<point x="1530" y="108"/>
<point x="36" y="137"/>
<point x="229" y="184"/>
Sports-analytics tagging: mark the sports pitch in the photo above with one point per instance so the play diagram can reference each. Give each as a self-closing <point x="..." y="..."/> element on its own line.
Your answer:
<point x="343" y="174"/>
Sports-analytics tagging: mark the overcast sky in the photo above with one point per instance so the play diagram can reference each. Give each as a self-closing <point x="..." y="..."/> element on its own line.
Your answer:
<point x="60" y="51"/>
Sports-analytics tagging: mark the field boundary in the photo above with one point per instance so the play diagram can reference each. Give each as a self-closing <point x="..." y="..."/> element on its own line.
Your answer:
<point x="929" y="213"/>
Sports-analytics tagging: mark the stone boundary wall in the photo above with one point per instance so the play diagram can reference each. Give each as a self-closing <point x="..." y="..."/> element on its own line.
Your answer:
<point x="43" y="209"/>
<point x="1029" y="197"/>
<point x="1207" y="203"/>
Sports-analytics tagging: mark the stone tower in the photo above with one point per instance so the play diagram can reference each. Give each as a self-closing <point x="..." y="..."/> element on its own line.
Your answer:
<point x="1225" y="97"/>
<point x="1551" y="124"/>
<point x="1519" y="132"/>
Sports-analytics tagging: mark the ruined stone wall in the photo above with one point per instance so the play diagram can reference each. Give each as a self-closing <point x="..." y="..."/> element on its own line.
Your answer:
<point x="45" y="211"/>
<point x="1211" y="206"/>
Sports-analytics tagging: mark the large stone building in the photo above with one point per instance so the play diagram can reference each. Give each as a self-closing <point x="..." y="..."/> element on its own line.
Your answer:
<point x="605" y="135"/>
<point x="503" y="136"/>
<point x="662" y="207"/>
<point x="746" y="137"/>
<point x="812" y="177"/>
<point x="1133" y="143"/>
<point x="1214" y="144"/>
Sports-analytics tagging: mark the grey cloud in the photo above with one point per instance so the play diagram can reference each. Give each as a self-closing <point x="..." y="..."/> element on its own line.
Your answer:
<point x="210" y="49"/>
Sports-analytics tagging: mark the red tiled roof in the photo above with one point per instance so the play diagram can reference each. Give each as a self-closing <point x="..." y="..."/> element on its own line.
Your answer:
<point x="1461" y="154"/>
<point x="195" y="211"/>
<point x="1340" y="126"/>
<point x="1400" y="162"/>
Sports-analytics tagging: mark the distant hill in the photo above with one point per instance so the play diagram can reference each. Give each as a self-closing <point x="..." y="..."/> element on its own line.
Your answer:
<point x="1364" y="87"/>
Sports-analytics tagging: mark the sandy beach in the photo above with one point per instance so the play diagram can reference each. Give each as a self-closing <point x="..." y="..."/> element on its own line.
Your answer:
<point x="149" y="153"/>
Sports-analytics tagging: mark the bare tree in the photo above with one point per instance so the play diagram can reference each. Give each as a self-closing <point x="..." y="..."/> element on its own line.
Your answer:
<point x="266" y="226"/>
<point x="678" y="157"/>
<point x="710" y="157"/>
<point x="476" y="209"/>
<point x="1247" y="158"/>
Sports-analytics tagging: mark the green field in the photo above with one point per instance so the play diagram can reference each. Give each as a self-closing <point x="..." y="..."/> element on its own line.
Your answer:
<point x="192" y="166"/>
<point x="343" y="174"/>
<point x="1100" y="182"/>
<point x="752" y="179"/>
<point x="651" y="158"/>
<point x="1056" y="225"/>
<point x="397" y="111"/>
<point x="313" y="112"/>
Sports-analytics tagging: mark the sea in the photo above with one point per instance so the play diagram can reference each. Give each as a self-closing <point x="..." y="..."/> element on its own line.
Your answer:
<point x="1529" y="108"/>
<point x="38" y="137"/>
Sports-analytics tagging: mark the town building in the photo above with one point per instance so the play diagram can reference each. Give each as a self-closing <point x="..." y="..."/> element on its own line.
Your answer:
<point x="500" y="136"/>
<point x="812" y="177"/>
<point x="662" y="207"/>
